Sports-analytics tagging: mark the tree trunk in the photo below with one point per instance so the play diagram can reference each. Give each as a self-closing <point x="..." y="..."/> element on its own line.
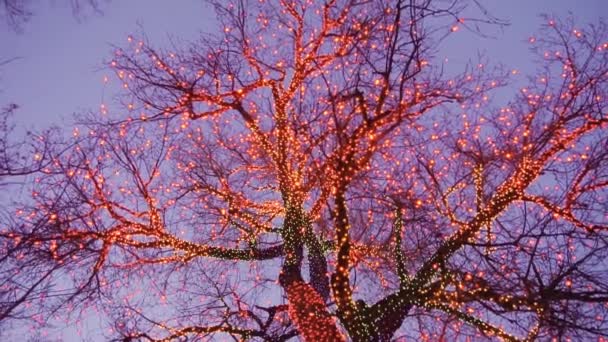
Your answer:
<point x="308" y="312"/>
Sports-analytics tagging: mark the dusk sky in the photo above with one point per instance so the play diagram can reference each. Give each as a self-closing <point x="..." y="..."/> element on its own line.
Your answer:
<point x="58" y="68"/>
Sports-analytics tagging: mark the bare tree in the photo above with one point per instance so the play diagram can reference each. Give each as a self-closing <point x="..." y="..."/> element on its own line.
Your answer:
<point x="313" y="171"/>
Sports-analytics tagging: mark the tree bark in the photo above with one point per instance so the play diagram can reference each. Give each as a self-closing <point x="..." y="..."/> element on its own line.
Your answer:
<point x="308" y="312"/>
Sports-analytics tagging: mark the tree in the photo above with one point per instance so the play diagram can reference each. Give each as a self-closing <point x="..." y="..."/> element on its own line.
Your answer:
<point x="12" y="162"/>
<point x="19" y="159"/>
<point x="313" y="171"/>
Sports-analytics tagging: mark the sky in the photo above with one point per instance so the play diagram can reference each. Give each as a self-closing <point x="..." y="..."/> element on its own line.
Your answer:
<point x="60" y="65"/>
<point x="59" y="69"/>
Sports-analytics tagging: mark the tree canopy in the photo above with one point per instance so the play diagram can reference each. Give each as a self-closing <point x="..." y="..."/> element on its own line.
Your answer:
<point x="311" y="171"/>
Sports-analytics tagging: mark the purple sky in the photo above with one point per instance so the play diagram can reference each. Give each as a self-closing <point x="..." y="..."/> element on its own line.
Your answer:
<point x="60" y="70"/>
<point x="61" y="58"/>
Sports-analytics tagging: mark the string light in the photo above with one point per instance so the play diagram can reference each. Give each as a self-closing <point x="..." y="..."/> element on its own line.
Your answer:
<point x="322" y="145"/>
